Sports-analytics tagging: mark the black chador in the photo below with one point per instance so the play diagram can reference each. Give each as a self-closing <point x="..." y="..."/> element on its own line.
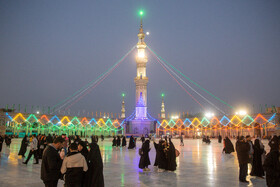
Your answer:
<point x="23" y="147"/>
<point x="160" y="160"/>
<point x="94" y="175"/>
<point x="220" y="138"/>
<point x="131" y="144"/>
<point x="228" y="147"/>
<point x="123" y="141"/>
<point x="118" y="141"/>
<point x="114" y="142"/>
<point x="257" y="168"/>
<point x="144" y="159"/>
<point x="171" y="157"/>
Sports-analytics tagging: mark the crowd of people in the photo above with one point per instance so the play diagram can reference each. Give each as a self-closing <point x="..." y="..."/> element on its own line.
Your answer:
<point x="262" y="164"/>
<point x="78" y="163"/>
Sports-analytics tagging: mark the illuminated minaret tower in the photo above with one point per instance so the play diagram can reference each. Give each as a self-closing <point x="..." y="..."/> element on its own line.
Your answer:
<point x="141" y="80"/>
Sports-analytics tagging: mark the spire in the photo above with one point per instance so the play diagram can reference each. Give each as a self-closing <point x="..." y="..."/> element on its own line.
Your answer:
<point x="162" y="107"/>
<point x="123" y="107"/>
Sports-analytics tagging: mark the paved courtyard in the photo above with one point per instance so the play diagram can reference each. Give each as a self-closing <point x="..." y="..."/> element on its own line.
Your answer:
<point x="198" y="165"/>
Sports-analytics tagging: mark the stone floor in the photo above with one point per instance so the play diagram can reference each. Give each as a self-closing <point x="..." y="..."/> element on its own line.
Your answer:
<point x="198" y="165"/>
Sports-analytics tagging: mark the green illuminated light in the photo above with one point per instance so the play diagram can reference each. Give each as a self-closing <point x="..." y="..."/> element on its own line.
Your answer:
<point x="162" y="95"/>
<point x="123" y="94"/>
<point x="141" y="13"/>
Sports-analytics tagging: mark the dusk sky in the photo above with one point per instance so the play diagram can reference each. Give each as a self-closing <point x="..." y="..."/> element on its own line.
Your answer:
<point x="50" y="49"/>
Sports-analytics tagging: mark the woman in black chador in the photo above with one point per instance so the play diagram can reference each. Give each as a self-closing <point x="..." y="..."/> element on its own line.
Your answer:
<point x="123" y="141"/>
<point x="118" y="141"/>
<point x="171" y="157"/>
<point x="114" y="142"/>
<point x="220" y="138"/>
<point x="131" y="144"/>
<point x="144" y="159"/>
<point x="160" y="160"/>
<point x="257" y="168"/>
<point x="82" y="148"/>
<point x="228" y="146"/>
<point x="23" y="147"/>
<point x="94" y="175"/>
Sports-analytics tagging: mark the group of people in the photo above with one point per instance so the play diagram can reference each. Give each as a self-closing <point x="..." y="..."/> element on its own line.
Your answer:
<point x="255" y="155"/>
<point x="7" y="139"/>
<point x="119" y="141"/>
<point x="165" y="155"/>
<point x="78" y="163"/>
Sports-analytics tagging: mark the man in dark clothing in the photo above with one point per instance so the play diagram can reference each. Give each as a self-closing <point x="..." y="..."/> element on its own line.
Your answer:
<point x="242" y="149"/>
<point x="272" y="164"/>
<point x="51" y="163"/>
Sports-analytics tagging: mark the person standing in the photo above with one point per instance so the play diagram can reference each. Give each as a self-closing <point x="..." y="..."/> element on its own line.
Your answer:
<point x="8" y="141"/>
<point x="242" y="149"/>
<point x="131" y="144"/>
<point x="272" y="163"/>
<point x="82" y="148"/>
<point x="118" y="141"/>
<point x="114" y="142"/>
<point x="142" y="138"/>
<point x="123" y="141"/>
<point x="171" y="156"/>
<point x="33" y="150"/>
<point x="74" y="167"/>
<point x="251" y="151"/>
<point x="257" y="168"/>
<point x="51" y="163"/>
<point x="181" y="140"/>
<point x="144" y="159"/>
<point x="94" y="175"/>
<point x="23" y="147"/>
<point x="1" y="143"/>
<point x="220" y="138"/>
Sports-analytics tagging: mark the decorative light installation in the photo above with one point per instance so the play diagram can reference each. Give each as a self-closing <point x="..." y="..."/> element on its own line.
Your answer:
<point x="46" y="123"/>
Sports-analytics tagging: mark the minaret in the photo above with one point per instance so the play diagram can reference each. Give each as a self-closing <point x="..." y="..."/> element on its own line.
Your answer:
<point x="162" y="115"/>
<point x="123" y="107"/>
<point x="141" y="80"/>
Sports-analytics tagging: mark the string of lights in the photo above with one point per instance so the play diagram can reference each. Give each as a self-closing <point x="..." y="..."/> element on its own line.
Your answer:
<point x="72" y="97"/>
<point x="20" y="120"/>
<point x="196" y="84"/>
<point x="187" y="83"/>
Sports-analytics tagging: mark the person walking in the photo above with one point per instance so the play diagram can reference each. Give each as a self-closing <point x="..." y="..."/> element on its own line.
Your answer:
<point x="51" y="163"/>
<point x="242" y="149"/>
<point x="23" y="147"/>
<point x="33" y="150"/>
<point x="74" y="167"/>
